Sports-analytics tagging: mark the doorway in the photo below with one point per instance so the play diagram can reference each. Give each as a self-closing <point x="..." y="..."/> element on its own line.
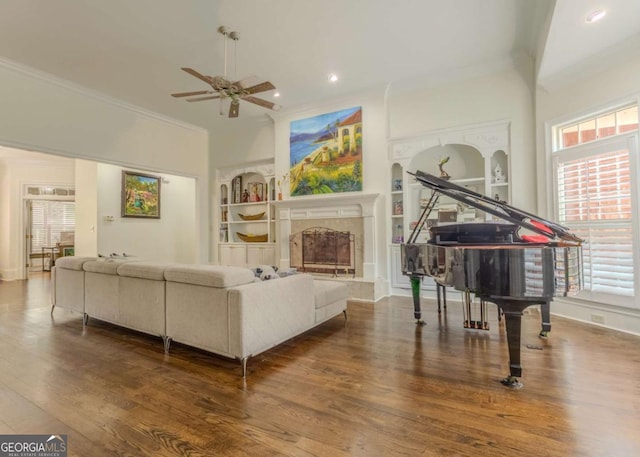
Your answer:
<point x="49" y="226"/>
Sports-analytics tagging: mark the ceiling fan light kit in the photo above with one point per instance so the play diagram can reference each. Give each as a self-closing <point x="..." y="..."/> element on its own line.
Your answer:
<point x="223" y="88"/>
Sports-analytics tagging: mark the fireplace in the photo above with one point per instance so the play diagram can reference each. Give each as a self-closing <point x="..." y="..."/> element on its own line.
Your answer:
<point x="323" y="250"/>
<point x="353" y="213"/>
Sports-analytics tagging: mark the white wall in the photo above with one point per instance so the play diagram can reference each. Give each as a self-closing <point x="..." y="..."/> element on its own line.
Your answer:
<point x="8" y="269"/>
<point x="16" y="174"/>
<point x="506" y="95"/>
<point x="5" y="221"/>
<point x="42" y="113"/>
<point x="168" y="239"/>
<point x="86" y="233"/>
<point x="578" y="97"/>
<point x="238" y="141"/>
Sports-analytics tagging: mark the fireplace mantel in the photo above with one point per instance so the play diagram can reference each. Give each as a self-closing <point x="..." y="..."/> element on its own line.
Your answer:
<point x="325" y="207"/>
<point x="351" y="205"/>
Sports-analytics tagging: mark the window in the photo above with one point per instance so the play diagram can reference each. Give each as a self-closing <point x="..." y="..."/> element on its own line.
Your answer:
<point x="50" y="191"/>
<point x="595" y="197"/>
<point x="597" y="127"/>
<point x="49" y="218"/>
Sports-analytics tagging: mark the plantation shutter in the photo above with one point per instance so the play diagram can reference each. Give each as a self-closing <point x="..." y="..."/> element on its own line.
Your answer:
<point x="48" y="219"/>
<point x="594" y="199"/>
<point x="39" y="235"/>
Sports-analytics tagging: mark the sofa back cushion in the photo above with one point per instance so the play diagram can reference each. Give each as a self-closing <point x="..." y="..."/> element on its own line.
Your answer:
<point x="143" y="270"/>
<point x="108" y="266"/>
<point x="72" y="262"/>
<point x="209" y="275"/>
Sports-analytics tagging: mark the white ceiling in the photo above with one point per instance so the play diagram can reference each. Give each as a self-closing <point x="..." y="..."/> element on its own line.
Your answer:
<point x="573" y="46"/>
<point x="133" y="50"/>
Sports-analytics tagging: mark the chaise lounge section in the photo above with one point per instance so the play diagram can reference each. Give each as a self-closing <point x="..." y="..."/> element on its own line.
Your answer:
<point x="220" y="309"/>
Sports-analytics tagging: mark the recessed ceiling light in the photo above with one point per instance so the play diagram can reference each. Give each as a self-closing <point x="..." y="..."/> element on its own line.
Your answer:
<point x="595" y="16"/>
<point x="277" y="94"/>
<point x="333" y="77"/>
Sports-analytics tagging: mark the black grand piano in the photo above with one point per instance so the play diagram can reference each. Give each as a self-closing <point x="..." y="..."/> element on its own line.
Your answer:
<point x="515" y="262"/>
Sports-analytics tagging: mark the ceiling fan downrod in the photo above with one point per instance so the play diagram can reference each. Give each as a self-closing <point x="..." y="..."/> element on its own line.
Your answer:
<point x="235" y="36"/>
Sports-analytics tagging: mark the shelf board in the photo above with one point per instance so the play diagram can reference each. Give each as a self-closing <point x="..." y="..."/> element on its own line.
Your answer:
<point x="249" y="222"/>
<point x="249" y="203"/>
<point x="468" y="180"/>
<point x="460" y="182"/>
<point x="499" y="184"/>
<point x="397" y="215"/>
<point x="245" y="243"/>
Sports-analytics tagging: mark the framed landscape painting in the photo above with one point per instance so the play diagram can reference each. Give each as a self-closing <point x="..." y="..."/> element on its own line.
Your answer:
<point x="326" y="153"/>
<point x="140" y="195"/>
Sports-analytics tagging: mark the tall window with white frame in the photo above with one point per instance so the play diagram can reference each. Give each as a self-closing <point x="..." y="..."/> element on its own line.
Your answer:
<point x="596" y="195"/>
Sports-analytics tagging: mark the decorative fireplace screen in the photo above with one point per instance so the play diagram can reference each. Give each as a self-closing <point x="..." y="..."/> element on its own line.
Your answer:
<point x="323" y="250"/>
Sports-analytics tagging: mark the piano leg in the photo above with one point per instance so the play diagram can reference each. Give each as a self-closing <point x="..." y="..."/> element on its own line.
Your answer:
<point x="545" y="314"/>
<point x="444" y="297"/>
<point x="513" y="323"/>
<point x="415" y="291"/>
<point x="441" y="292"/>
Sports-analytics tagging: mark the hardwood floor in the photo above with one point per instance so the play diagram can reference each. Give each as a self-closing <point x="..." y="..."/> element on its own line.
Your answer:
<point x="378" y="387"/>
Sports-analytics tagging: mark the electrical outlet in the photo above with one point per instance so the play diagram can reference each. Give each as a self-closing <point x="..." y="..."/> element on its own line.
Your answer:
<point x="597" y="318"/>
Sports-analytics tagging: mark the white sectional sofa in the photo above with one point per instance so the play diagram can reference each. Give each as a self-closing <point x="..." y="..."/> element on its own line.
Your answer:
<point x="126" y="293"/>
<point x="70" y="275"/>
<point x="224" y="310"/>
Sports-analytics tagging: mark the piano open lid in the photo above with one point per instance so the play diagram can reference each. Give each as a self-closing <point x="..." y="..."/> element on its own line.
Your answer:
<point x="554" y="232"/>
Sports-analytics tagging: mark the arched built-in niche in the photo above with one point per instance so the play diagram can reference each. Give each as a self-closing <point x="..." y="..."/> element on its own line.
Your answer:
<point x="464" y="161"/>
<point x="474" y="153"/>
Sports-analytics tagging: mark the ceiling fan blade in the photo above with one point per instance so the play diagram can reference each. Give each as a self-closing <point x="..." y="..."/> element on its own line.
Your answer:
<point x="261" y="102"/>
<point x="234" y="109"/>
<point x="262" y="87"/>
<point x="244" y="81"/>
<point x="189" y="94"/>
<point x="200" y="99"/>
<point x="192" y="72"/>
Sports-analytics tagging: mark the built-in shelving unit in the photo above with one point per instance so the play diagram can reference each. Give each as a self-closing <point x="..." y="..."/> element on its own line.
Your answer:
<point x="478" y="158"/>
<point x="397" y="203"/>
<point x="246" y="216"/>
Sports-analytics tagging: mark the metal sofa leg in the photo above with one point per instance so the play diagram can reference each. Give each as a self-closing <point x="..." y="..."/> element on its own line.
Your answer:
<point x="243" y="364"/>
<point x="167" y="342"/>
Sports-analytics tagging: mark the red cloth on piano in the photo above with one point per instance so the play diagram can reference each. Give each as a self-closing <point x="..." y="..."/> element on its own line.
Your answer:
<point x="537" y="238"/>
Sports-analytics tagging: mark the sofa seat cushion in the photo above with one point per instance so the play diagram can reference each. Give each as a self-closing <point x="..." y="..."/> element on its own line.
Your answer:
<point x="72" y="262"/>
<point x="143" y="270"/>
<point x="109" y="266"/>
<point x="328" y="292"/>
<point x="209" y="275"/>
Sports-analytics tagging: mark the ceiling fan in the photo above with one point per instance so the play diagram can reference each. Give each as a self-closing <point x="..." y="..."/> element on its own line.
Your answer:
<point x="223" y="88"/>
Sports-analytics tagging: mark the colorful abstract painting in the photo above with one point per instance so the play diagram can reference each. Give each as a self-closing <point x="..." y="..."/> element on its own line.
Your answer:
<point x="326" y="153"/>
